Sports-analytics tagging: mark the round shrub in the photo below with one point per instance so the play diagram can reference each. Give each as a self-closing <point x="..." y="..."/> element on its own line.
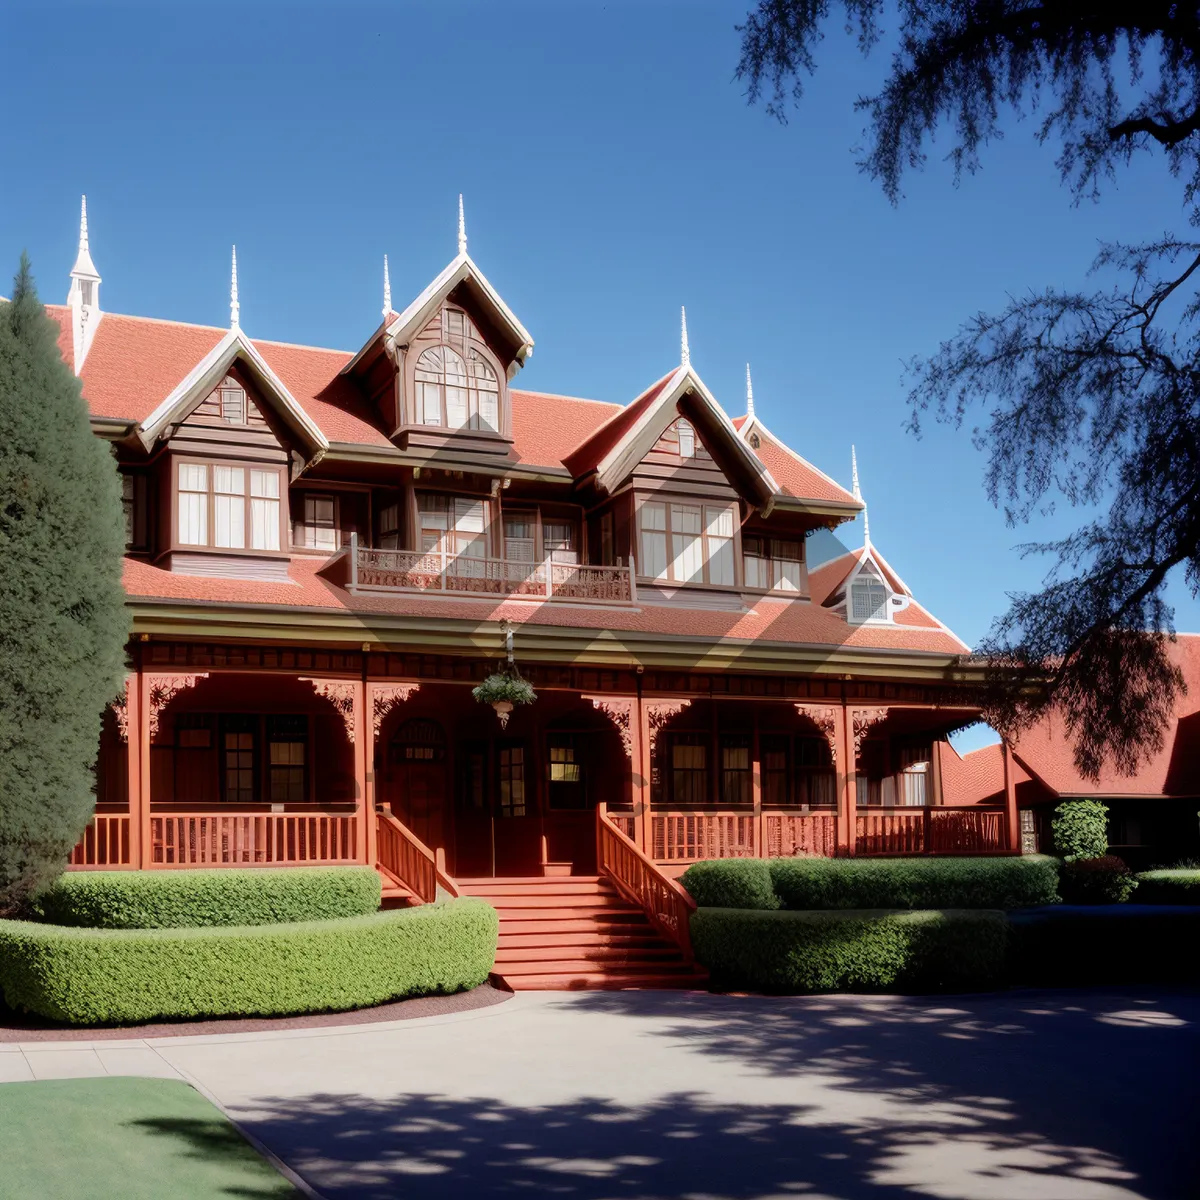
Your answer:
<point x="731" y="883"/>
<point x="121" y="976"/>
<point x="182" y="899"/>
<point x="1080" y="829"/>
<point x="851" y="950"/>
<point x="1105" y="880"/>
<point x="1001" y="882"/>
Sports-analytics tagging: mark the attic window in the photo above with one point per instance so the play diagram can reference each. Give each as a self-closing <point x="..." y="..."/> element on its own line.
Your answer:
<point x="233" y="405"/>
<point x="755" y="441"/>
<point x="687" y="440"/>
<point x="457" y="393"/>
<point x="868" y="599"/>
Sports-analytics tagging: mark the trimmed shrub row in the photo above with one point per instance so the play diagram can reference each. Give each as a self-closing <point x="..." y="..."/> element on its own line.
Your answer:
<point x="180" y="899"/>
<point x="851" y="950"/>
<point x="119" y="976"/>
<point x="1177" y="885"/>
<point x="861" y="883"/>
<point x="1103" y="880"/>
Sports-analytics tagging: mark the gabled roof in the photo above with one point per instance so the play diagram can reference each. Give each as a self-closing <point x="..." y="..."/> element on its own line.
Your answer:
<point x="828" y="580"/>
<point x="460" y="271"/>
<point x="797" y="477"/>
<point x="199" y="382"/>
<point x="612" y="453"/>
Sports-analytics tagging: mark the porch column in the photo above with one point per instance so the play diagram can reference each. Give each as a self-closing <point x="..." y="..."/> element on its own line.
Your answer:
<point x="130" y="719"/>
<point x="640" y="762"/>
<point x="655" y="714"/>
<point x="364" y="848"/>
<point x="848" y="766"/>
<point x="1011" y="819"/>
<point x="142" y="738"/>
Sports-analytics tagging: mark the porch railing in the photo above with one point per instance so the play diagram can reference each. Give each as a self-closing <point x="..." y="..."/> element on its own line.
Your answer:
<point x="405" y="857"/>
<point x="105" y="843"/>
<point x="667" y="906"/>
<point x="431" y="571"/>
<point x="233" y="839"/>
<point x="941" y="830"/>
<point x="683" y="837"/>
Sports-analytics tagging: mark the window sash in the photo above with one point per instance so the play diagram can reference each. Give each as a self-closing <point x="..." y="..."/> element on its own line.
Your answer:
<point x="687" y="543"/>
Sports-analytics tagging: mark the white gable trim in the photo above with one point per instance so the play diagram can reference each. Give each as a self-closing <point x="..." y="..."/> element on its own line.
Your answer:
<point x="413" y="318"/>
<point x="616" y="466"/>
<point x="847" y="590"/>
<point x="209" y="372"/>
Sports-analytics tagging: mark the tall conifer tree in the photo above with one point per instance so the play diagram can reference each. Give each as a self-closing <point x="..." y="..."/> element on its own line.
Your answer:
<point x="63" y="624"/>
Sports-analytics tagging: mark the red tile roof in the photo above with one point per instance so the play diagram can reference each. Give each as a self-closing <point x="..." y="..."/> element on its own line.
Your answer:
<point x="796" y="476"/>
<point x="588" y="456"/>
<point x="546" y="428"/>
<point x="1045" y="755"/>
<point x="781" y="621"/>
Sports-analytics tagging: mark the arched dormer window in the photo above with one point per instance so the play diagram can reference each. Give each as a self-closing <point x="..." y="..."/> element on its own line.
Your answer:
<point x="455" y="383"/>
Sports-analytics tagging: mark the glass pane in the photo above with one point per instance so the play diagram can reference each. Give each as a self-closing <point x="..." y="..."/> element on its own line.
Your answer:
<point x="229" y="520"/>
<point x="654" y="516"/>
<point x="720" y="561"/>
<point x="264" y="524"/>
<point x="654" y="555"/>
<point x="230" y="481"/>
<point x="719" y="522"/>
<point x="193" y="518"/>
<point x="193" y="477"/>
<point x="687" y="440"/>
<point x="265" y="483"/>
<point x="787" y="576"/>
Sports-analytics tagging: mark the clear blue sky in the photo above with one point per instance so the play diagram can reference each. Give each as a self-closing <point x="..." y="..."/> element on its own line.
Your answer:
<point x="612" y="172"/>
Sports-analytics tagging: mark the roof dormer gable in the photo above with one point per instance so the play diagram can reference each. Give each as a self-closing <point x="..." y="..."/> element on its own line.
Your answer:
<point x="679" y="401"/>
<point x="197" y="400"/>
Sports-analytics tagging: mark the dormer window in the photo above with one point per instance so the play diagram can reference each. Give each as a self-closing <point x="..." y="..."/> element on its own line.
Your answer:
<point x="456" y="392"/>
<point x="687" y="440"/>
<point x="868" y="599"/>
<point x="233" y="405"/>
<point x="228" y="507"/>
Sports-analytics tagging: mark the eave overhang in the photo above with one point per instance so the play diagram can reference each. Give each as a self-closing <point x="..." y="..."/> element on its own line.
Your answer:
<point x="539" y="643"/>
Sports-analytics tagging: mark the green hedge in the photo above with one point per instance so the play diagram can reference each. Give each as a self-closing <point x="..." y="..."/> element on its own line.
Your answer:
<point x="1127" y="943"/>
<point x="731" y="883"/>
<point x="1178" y="885"/>
<point x="851" y="950"/>
<point x="822" y="883"/>
<point x="91" y="976"/>
<point x="182" y="899"/>
<point x="1079" y="829"/>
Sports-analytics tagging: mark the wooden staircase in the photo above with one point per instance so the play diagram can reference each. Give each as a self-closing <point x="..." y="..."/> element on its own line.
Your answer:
<point x="578" y="932"/>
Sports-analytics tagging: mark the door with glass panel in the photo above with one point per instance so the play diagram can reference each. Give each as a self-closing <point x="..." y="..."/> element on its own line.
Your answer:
<point x="497" y="831"/>
<point x="454" y="528"/>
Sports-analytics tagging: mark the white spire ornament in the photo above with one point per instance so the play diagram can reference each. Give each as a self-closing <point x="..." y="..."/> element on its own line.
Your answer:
<point x="83" y="298"/>
<point x="387" y="290"/>
<point x="685" y="353"/>
<point x="858" y="496"/>
<point x="749" y="395"/>
<point x="234" y="307"/>
<point x="462" y="227"/>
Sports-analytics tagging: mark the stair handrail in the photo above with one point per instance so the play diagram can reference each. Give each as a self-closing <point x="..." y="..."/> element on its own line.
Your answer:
<point x="426" y="875"/>
<point x="638" y="878"/>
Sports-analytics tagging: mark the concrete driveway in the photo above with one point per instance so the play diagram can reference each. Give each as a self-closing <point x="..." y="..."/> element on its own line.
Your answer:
<point x="1082" y="1095"/>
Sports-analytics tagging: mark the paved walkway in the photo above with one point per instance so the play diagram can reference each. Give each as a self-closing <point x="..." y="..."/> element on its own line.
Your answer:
<point x="593" y="1096"/>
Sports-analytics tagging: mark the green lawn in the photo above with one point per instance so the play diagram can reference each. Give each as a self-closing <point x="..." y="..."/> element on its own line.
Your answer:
<point x="126" y="1139"/>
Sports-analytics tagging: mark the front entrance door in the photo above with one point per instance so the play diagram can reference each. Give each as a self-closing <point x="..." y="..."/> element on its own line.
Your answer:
<point x="497" y="830"/>
<point x="415" y="783"/>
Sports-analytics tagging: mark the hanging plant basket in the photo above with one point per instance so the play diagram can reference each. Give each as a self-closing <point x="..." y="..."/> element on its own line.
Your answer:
<point x="504" y="690"/>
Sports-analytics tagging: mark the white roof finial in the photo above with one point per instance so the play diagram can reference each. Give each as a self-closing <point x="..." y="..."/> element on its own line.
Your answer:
<point x="387" y="290"/>
<point x="858" y="496"/>
<point x="685" y="354"/>
<point x="749" y="395"/>
<point x="462" y="227"/>
<point x="83" y="260"/>
<point x="234" y="307"/>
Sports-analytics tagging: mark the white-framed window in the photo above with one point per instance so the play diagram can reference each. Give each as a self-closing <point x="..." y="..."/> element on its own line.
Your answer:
<point x="193" y="504"/>
<point x="228" y="507"/>
<point x="233" y="403"/>
<point x="868" y="599"/>
<point x="772" y="563"/>
<point x="687" y="439"/>
<point x="456" y="392"/>
<point x="687" y="542"/>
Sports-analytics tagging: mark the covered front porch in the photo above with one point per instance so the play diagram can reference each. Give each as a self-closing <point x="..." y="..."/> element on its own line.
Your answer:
<point x="230" y="767"/>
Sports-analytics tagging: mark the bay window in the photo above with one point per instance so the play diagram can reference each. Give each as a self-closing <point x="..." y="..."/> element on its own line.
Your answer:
<point x="687" y="543"/>
<point x="228" y="507"/>
<point x="772" y="563"/>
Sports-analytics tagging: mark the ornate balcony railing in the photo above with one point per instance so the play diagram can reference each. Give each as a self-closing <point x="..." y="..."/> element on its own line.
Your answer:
<point x="434" y="572"/>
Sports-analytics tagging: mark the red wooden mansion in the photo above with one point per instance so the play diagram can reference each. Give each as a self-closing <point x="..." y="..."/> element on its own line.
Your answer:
<point x="328" y="550"/>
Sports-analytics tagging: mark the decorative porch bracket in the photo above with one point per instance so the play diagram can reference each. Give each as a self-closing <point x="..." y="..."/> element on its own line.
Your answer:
<point x="386" y="696"/>
<point x="162" y="689"/>
<point x="825" y="718"/>
<point x="339" y="693"/>
<point x="120" y="707"/>
<point x="658" y="713"/>
<point x="620" y="713"/>
<point x="864" y="720"/>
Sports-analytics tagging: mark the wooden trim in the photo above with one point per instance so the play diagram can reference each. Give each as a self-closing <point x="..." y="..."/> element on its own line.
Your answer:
<point x="1011" y="816"/>
<point x="133" y="756"/>
<point x="848" y="768"/>
<point x="144" y="790"/>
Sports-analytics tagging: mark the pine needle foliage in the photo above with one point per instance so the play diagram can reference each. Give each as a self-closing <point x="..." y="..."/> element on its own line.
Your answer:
<point x="1091" y="395"/>
<point x="63" y="625"/>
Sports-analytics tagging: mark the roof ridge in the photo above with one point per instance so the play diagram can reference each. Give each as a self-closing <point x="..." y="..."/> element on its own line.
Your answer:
<point x="300" y="346"/>
<point x="155" y="320"/>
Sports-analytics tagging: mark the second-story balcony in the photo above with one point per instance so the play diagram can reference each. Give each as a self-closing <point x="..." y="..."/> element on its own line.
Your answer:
<point x="435" y="572"/>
